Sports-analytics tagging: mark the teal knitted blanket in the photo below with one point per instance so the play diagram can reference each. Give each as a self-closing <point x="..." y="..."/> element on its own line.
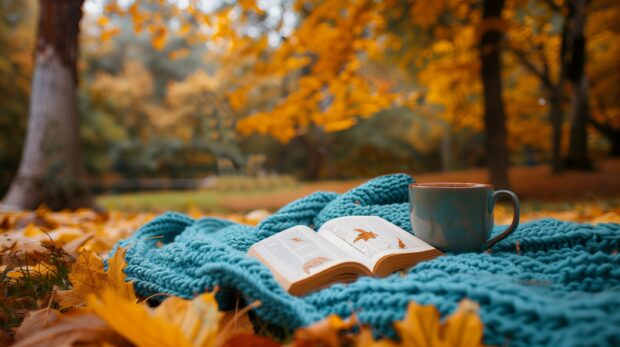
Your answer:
<point x="560" y="287"/>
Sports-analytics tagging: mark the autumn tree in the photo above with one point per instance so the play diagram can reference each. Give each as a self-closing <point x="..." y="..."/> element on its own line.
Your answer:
<point x="17" y="21"/>
<point x="494" y="115"/>
<point x="51" y="170"/>
<point x="330" y="92"/>
<point x="574" y="51"/>
<point x="536" y="44"/>
<point x="603" y="71"/>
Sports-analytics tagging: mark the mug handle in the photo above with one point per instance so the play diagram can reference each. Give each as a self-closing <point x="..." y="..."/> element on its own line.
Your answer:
<point x="515" y="219"/>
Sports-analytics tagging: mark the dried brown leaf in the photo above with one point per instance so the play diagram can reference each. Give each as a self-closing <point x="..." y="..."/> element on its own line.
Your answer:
<point x="55" y="329"/>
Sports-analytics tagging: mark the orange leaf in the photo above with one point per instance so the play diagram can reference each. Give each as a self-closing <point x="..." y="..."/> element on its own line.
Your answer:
<point x="323" y="333"/>
<point x="421" y="326"/>
<point x="160" y="36"/>
<point x="87" y="277"/>
<point x="314" y="262"/>
<point x="116" y="275"/>
<point x="136" y="322"/>
<point x="250" y="340"/>
<point x="364" y="235"/>
<point x="464" y="327"/>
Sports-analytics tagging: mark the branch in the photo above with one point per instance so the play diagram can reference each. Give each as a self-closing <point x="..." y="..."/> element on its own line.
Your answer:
<point x="602" y="128"/>
<point x="554" y="7"/>
<point x="544" y="77"/>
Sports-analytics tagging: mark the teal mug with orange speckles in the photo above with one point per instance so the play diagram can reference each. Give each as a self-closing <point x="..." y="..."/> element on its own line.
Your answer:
<point x="457" y="217"/>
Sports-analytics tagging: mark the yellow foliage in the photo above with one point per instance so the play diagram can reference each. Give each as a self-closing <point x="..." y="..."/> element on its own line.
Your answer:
<point x="103" y="21"/>
<point x="136" y="323"/>
<point x="179" y="54"/>
<point x="334" y="92"/>
<point x="159" y="37"/>
<point x="106" y="35"/>
<point x="452" y="79"/>
<point x="175" y="323"/>
<point x="88" y="277"/>
<point x="421" y="327"/>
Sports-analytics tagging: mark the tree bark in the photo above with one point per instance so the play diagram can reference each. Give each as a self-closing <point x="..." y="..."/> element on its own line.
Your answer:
<point x="316" y="151"/>
<point x="494" y="116"/>
<point x="575" y="56"/>
<point x="612" y="134"/>
<point x="446" y="150"/>
<point x="556" y="117"/>
<point x="50" y="170"/>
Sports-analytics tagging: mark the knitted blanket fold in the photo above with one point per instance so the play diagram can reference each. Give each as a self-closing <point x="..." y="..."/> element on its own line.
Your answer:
<point x="559" y="287"/>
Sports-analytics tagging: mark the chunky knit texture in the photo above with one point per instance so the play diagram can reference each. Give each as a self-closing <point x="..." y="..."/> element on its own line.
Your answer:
<point x="559" y="287"/>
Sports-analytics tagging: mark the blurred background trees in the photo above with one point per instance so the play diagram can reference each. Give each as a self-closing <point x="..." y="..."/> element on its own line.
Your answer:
<point x="329" y="89"/>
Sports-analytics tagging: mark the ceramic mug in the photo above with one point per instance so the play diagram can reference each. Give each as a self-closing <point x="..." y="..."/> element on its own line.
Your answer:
<point x="457" y="217"/>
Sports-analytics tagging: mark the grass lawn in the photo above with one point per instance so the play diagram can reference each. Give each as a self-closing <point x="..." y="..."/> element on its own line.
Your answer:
<point x="537" y="188"/>
<point x="213" y="200"/>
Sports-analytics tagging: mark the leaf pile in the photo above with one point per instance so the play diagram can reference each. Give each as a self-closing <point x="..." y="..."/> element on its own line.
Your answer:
<point x="55" y="290"/>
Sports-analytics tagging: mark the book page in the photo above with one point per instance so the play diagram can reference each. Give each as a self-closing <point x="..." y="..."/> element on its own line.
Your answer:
<point x="370" y="238"/>
<point x="297" y="253"/>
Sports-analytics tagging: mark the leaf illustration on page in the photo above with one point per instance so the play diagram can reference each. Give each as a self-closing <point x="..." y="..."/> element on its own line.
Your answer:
<point x="297" y="239"/>
<point x="364" y="235"/>
<point x="314" y="262"/>
<point x="401" y="244"/>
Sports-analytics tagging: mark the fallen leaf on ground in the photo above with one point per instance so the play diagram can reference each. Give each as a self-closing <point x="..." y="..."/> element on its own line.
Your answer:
<point x="464" y="327"/>
<point x="136" y="322"/>
<point x="421" y="327"/>
<point x="117" y="277"/>
<point x="88" y="277"/>
<point x="175" y="323"/>
<point x="323" y="333"/>
<point x="250" y="340"/>
<point x="77" y="327"/>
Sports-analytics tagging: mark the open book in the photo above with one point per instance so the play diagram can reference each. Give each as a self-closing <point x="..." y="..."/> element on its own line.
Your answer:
<point x="344" y="248"/>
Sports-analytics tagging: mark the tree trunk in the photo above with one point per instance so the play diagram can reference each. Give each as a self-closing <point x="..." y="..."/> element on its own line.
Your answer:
<point x="615" y="144"/>
<point x="494" y="117"/>
<point x="50" y="170"/>
<point x="578" y="147"/>
<point x="575" y="54"/>
<point x="611" y="134"/>
<point x="315" y="152"/>
<point x="556" y="116"/>
<point x="446" y="150"/>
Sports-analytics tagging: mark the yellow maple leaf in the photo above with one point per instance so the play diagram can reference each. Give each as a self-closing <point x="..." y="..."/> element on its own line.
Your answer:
<point x="116" y="276"/>
<point x="463" y="327"/>
<point x="421" y="326"/>
<point x="175" y="323"/>
<point x="323" y="333"/>
<point x="136" y="322"/>
<point x="87" y="277"/>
